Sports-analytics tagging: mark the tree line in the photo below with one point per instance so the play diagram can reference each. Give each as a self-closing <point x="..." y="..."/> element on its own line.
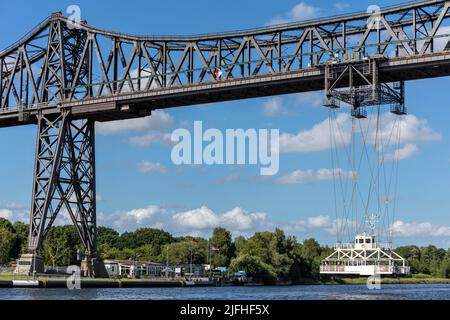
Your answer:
<point x="265" y="256"/>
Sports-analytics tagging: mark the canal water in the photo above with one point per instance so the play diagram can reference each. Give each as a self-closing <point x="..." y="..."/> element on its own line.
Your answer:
<point x="316" y="292"/>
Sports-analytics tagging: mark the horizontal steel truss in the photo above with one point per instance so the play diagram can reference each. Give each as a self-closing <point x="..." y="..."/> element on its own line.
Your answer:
<point x="57" y="63"/>
<point x="64" y="179"/>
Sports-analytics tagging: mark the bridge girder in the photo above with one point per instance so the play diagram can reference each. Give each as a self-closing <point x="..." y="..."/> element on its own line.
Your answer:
<point x="82" y="67"/>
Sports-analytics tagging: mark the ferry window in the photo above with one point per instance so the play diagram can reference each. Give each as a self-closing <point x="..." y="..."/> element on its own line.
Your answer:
<point x="367" y="240"/>
<point x="361" y="240"/>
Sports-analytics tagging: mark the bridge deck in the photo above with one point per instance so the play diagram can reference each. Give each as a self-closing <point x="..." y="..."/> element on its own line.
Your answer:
<point x="104" y="76"/>
<point x="134" y="105"/>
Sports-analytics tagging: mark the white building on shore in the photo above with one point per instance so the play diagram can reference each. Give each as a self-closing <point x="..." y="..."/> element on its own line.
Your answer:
<point x="148" y="269"/>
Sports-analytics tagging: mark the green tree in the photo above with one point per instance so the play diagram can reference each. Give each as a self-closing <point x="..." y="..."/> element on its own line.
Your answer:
<point x="152" y="237"/>
<point x="311" y="249"/>
<point x="127" y="240"/>
<point x="412" y="255"/>
<point x="300" y="268"/>
<point x="108" y="252"/>
<point x="107" y="236"/>
<point x="60" y="246"/>
<point x="222" y="248"/>
<point x="148" y="252"/>
<point x="239" y="244"/>
<point x="180" y="252"/>
<point x="125" y="254"/>
<point x="254" y="267"/>
<point x="14" y="239"/>
<point x="5" y="224"/>
<point x="271" y="249"/>
<point x="445" y="265"/>
<point x="259" y="246"/>
<point x="279" y="254"/>
<point x="430" y="260"/>
<point x="21" y="245"/>
<point x="7" y="241"/>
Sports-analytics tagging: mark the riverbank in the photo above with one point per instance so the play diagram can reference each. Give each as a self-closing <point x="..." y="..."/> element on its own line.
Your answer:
<point x="11" y="280"/>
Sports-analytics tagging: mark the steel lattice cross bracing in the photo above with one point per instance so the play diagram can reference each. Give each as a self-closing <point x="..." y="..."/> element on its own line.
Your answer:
<point x="104" y="75"/>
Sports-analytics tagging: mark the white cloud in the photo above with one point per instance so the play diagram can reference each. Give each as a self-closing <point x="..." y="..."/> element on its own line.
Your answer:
<point x="342" y="5"/>
<point x="309" y="224"/>
<point x="150" y="167"/>
<point x="151" y="138"/>
<point x="313" y="99"/>
<point x="132" y="219"/>
<point x="312" y="176"/>
<point x="6" y="214"/>
<point x="197" y="219"/>
<point x="203" y="218"/>
<point x="143" y="214"/>
<point x="413" y="131"/>
<point x="419" y="229"/>
<point x="318" y="137"/>
<point x="300" y="12"/>
<point x="277" y="106"/>
<point x="319" y="221"/>
<point x="274" y="107"/>
<point x="402" y="153"/>
<point x="14" y="211"/>
<point x="157" y="121"/>
<point x="12" y="205"/>
<point x="240" y="220"/>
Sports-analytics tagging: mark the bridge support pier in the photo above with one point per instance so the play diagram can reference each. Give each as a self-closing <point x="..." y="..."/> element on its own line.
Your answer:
<point x="64" y="181"/>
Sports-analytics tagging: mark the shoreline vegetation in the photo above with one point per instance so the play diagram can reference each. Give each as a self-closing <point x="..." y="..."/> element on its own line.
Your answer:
<point x="266" y="257"/>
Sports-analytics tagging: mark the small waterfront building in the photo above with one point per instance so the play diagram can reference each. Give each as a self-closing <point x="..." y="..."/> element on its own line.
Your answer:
<point x="148" y="269"/>
<point x="134" y="269"/>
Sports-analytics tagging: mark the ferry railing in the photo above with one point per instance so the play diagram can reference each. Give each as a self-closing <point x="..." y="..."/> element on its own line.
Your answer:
<point x="376" y="245"/>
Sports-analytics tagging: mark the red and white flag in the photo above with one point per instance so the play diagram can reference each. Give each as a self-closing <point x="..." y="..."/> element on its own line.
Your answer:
<point x="218" y="73"/>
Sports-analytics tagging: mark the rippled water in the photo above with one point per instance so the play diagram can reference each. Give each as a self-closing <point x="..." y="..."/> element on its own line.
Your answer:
<point x="317" y="292"/>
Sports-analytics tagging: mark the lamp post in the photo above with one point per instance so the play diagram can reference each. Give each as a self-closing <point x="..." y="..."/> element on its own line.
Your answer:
<point x="167" y="262"/>
<point x="190" y="266"/>
<point x="209" y="257"/>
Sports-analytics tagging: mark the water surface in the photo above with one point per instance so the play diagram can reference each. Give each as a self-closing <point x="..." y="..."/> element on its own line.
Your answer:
<point x="313" y="292"/>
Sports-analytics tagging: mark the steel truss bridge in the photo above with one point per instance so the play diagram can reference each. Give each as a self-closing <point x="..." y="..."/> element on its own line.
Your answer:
<point x="64" y="76"/>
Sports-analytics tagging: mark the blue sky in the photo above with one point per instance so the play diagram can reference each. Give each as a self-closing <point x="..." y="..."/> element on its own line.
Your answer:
<point x="139" y="186"/>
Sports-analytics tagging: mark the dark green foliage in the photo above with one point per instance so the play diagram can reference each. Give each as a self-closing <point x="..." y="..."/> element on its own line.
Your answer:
<point x="61" y="245"/>
<point x="265" y="256"/>
<point x="181" y="251"/>
<point x="107" y="236"/>
<point x="12" y="240"/>
<point x="222" y="247"/>
<point x="255" y="268"/>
